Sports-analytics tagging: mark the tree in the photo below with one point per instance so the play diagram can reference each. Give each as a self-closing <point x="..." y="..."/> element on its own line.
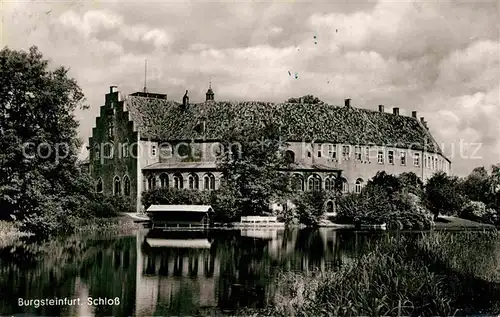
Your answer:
<point x="411" y="183"/>
<point x="477" y="185"/>
<point x="442" y="194"/>
<point x="384" y="186"/>
<point x="305" y="99"/>
<point x="251" y="166"/>
<point x="38" y="139"/>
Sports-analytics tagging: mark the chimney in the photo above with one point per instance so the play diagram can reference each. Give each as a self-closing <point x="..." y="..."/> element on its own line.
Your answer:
<point x="113" y="89"/>
<point x="395" y="111"/>
<point x="380" y="108"/>
<point x="185" y="100"/>
<point x="414" y="114"/>
<point x="347" y="103"/>
<point x="424" y="123"/>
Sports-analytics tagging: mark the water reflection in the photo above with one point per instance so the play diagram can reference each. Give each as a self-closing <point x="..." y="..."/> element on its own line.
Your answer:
<point x="168" y="273"/>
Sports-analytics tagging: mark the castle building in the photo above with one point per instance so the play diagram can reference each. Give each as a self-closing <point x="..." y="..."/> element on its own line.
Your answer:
<point x="145" y="141"/>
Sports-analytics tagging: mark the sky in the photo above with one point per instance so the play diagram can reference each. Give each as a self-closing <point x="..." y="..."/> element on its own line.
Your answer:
<point x="440" y="58"/>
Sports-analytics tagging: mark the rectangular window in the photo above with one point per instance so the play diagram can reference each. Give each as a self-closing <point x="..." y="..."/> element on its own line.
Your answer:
<point x="332" y="151"/>
<point x="390" y="157"/>
<point x="367" y="153"/>
<point x="416" y="159"/>
<point x="319" y="153"/>
<point x="357" y="153"/>
<point x="380" y="157"/>
<point x="153" y="150"/>
<point x="402" y="156"/>
<point x="345" y="152"/>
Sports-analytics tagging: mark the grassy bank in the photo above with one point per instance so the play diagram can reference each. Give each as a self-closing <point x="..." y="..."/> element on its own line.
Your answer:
<point x="9" y="233"/>
<point x="117" y="225"/>
<point x="433" y="274"/>
<point x="120" y="225"/>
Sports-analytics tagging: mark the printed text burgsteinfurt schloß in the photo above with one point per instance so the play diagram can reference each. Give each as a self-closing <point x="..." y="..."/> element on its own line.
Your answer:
<point x="91" y="301"/>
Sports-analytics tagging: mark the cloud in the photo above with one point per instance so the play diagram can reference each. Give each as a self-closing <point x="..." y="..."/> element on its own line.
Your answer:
<point x="424" y="56"/>
<point x="93" y="22"/>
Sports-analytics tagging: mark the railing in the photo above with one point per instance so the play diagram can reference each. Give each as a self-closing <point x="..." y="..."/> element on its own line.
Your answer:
<point x="258" y="219"/>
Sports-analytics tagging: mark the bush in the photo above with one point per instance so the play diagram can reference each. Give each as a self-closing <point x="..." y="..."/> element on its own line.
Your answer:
<point x="162" y="196"/>
<point x="310" y="207"/>
<point x="109" y="206"/>
<point x="374" y="207"/>
<point x="477" y="211"/>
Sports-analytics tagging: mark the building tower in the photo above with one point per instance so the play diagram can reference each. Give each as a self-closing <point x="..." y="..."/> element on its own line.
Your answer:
<point x="210" y="93"/>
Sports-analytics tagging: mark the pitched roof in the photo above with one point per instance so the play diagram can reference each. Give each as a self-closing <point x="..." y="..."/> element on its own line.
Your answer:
<point x="183" y="208"/>
<point x="160" y="119"/>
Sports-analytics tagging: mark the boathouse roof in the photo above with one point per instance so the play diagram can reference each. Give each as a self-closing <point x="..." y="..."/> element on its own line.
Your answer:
<point x="180" y="208"/>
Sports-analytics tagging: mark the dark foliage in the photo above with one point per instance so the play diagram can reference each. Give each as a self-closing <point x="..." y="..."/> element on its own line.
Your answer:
<point x="310" y="206"/>
<point x="442" y="195"/>
<point x="251" y="167"/>
<point x="174" y="196"/>
<point x="41" y="183"/>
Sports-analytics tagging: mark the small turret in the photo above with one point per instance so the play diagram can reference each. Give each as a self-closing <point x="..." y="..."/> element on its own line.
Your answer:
<point x="210" y="93"/>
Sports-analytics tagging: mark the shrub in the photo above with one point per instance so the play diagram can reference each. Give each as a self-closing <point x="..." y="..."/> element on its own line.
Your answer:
<point x="159" y="196"/>
<point x="374" y="207"/>
<point x="477" y="211"/>
<point x="109" y="206"/>
<point x="310" y="206"/>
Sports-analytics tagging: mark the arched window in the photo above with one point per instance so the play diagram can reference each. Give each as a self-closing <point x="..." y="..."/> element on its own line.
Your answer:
<point x="314" y="183"/>
<point x="345" y="185"/>
<point x="193" y="181"/>
<point x="290" y="156"/>
<point x="297" y="182"/>
<point x="126" y="185"/>
<point x="117" y="188"/>
<point x="178" y="181"/>
<point x="209" y="181"/>
<point x="330" y="183"/>
<point x="108" y="150"/>
<point x="99" y="186"/>
<point x="165" y="151"/>
<point x="358" y="186"/>
<point x="163" y="180"/>
<point x="125" y="149"/>
<point x="96" y="153"/>
<point x="330" y="207"/>
<point x="151" y="182"/>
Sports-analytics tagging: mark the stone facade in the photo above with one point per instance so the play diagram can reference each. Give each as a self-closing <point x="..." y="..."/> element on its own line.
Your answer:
<point x="139" y="163"/>
<point x="113" y="158"/>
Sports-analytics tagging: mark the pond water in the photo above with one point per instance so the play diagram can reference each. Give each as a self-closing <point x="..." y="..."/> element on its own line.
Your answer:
<point x="166" y="273"/>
